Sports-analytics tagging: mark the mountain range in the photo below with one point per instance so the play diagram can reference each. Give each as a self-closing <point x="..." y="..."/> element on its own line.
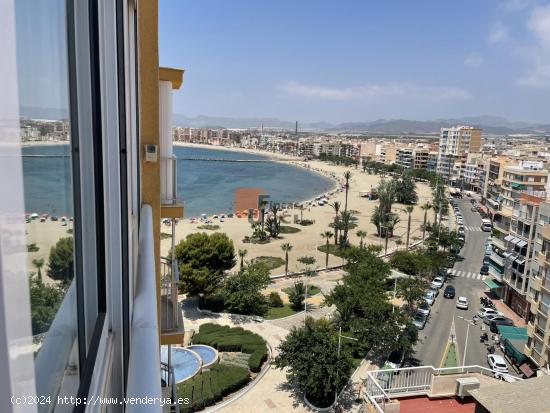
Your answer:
<point x="493" y="125"/>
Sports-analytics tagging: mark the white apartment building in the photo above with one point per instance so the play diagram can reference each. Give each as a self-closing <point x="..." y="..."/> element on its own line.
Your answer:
<point x="454" y="145"/>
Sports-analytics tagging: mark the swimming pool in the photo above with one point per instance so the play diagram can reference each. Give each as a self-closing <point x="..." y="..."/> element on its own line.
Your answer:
<point x="188" y="361"/>
<point x="208" y="354"/>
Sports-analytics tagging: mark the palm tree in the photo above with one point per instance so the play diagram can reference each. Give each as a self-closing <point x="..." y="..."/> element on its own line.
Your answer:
<point x="389" y="226"/>
<point x="286" y="247"/>
<point x="336" y="206"/>
<point x="347" y="222"/>
<point x="263" y="204"/>
<point x="327" y="235"/>
<point x="427" y="206"/>
<point x="408" y="209"/>
<point x="361" y="234"/>
<point x="242" y="254"/>
<point x="38" y="263"/>
<point x="347" y="177"/>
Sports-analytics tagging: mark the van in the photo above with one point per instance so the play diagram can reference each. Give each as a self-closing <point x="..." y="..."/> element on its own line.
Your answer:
<point x="486" y="225"/>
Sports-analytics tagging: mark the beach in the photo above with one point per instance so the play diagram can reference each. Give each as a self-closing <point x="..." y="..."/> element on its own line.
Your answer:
<point x="306" y="241"/>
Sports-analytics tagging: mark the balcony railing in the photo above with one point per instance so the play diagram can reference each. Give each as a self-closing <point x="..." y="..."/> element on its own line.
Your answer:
<point x="171" y="318"/>
<point x="169" y="383"/>
<point x="144" y="378"/>
<point x="381" y="386"/>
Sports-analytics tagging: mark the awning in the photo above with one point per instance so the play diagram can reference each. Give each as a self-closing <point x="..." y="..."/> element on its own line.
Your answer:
<point x="525" y="369"/>
<point x="492" y="283"/>
<point x="522" y="243"/>
<point x="508" y="238"/>
<point x="513" y="333"/>
<point x="515" y="240"/>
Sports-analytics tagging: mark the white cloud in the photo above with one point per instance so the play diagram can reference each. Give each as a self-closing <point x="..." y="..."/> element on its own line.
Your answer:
<point x="372" y="92"/>
<point x="498" y="34"/>
<point x="473" y="60"/>
<point x="539" y="27"/>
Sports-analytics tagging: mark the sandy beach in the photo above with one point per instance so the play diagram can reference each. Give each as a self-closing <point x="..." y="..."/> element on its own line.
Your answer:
<point x="308" y="239"/>
<point x="305" y="242"/>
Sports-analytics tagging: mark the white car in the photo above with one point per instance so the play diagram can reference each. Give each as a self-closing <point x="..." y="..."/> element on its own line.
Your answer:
<point x="497" y="363"/>
<point x="437" y="282"/>
<point x="462" y="303"/>
<point x="429" y="297"/>
<point x="487" y="311"/>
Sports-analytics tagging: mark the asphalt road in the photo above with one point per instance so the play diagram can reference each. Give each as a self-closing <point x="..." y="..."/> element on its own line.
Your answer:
<point x="434" y="337"/>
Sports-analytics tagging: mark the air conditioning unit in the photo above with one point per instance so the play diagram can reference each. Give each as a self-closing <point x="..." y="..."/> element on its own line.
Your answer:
<point x="465" y="384"/>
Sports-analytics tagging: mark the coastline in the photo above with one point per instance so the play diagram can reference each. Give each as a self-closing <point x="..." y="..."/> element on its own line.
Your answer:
<point x="292" y="160"/>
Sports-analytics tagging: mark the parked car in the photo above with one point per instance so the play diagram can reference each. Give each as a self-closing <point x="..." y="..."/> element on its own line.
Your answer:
<point x="429" y="297"/>
<point x="486" y="260"/>
<point x="395" y="359"/>
<point x="497" y="363"/>
<point x="424" y="308"/>
<point x="487" y="311"/>
<point x="449" y="292"/>
<point x="437" y="282"/>
<point x="434" y="291"/>
<point x="462" y="303"/>
<point x="443" y="273"/>
<point x="493" y="326"/>
<point x="419" y="320"/>
<point x="497" y="317"/>
<point x="484" y="270"/>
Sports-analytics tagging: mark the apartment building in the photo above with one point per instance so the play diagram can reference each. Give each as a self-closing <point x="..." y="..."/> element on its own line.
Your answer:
<point x="421" y="156"/>
<point x="454" y="145"/>
<point x="386" y="153"/>
<point x="538" y="328"/>
<point x="404" y="157"/>
<point x="528" y="177"/>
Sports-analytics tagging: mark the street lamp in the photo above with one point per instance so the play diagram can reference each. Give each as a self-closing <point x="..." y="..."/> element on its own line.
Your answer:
<point x="469" y="322"/>
<point x="340" y="337"/>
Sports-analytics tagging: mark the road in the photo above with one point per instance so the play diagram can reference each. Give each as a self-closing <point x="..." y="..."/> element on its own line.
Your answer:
<point x="467" y="282"/>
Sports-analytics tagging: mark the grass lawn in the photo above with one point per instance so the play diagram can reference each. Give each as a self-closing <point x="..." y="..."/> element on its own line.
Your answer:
<point x="271" y="262"/>
<point x="164" y="235"/>
<point x="332" y="249"/>
<point x="450" y="359"/>
<point x="279" y="312"/>
<point x="286" y="229"/>
<point x="209" y="227"/>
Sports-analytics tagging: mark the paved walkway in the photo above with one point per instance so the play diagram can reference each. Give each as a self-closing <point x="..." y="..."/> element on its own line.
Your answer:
<point x="271" y="393"/>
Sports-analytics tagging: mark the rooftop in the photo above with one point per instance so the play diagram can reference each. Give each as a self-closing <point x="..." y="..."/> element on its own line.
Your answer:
<point x="522" y="396"/>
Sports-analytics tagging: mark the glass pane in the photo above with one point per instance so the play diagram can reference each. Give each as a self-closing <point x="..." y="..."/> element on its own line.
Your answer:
<point x="45" y="137"/>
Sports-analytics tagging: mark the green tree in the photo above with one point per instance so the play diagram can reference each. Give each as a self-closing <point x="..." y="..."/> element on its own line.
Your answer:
<point x="61" y="262"/>
<point x="347" y="177"/>
<point x="312" y="361"/>
<point x="275" y="299"/>
<point x="297" y="295"/>
<point x="203" y="260"/>
<point x="327" y="235"/>
<point x="45" y="301"/>
<point x="361" y="234"/>
<point x="242" y="292"/>
<point x="406" y="190"/>
<point x="286" y="247"/>
<point x="38" y="263"/>
<point x="362" y="305"/>
<point x="412" y="263"/>
<point x="411" y="290"/>
<point x="336" y="207"/>
<point x="242" y="254"/>
<point x="348" y="221"/>
<point x="425" y="207"/>
<point x="409" y="210"/>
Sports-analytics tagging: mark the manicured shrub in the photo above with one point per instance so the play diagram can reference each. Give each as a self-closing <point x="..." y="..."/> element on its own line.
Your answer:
<point x="209" y="387"/>
<point x="275" y="299"/>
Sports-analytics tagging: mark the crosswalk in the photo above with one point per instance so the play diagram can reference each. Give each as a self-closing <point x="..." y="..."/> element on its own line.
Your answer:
<point x="472" y="228"/>
<point x="467" y="274"/>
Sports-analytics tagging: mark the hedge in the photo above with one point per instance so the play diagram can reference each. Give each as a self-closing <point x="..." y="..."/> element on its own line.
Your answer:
<point x="235" y="339"/>
<point x="206" y="389"/>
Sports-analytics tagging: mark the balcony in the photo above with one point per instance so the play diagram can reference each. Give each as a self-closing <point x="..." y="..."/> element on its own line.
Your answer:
<point x="171" y="318"/>
<point x="543" y="258"/>
<point x="170" y="205"/>
<point x="499" y="243"/>
<point x="382" y="388"/>
<point x="531" y="326"/>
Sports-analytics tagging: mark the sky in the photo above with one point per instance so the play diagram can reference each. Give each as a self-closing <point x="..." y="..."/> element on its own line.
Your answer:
<point x="341" y="61"/>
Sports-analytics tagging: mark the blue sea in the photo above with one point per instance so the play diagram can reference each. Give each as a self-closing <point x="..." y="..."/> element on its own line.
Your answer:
<point x="204" y="186"/>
